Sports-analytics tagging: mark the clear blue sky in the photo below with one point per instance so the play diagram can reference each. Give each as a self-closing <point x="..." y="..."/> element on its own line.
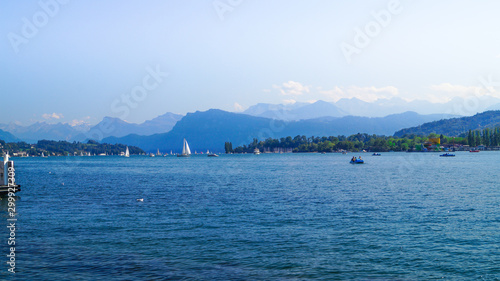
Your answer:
<point x="83" y="58"/>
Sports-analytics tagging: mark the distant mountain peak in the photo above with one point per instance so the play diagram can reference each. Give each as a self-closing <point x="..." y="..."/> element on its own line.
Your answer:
<point x="321" y="102"/>
<point x="110" y="118"/>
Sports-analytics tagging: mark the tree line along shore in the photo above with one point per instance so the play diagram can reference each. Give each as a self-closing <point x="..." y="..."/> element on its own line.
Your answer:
<point x="486" y="139"/>
<point x="65" y="148"/>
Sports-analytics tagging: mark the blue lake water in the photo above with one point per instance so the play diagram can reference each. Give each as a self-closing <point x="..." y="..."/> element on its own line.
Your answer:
<point x="400" y="216"/>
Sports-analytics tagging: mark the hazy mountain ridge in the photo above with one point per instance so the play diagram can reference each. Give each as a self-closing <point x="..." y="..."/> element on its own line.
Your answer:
<point x="109" y="126"/>
<point x="203" y="130"/>
<point x="494" y="107"/>
<point x="8" y="137"/>
<point x="455" y="126"/>
<point x="296" y="111"/>
<point x="378" y="108"/>
<point x="318" y="118"/>
<point x="40" y="131"/>
<point x="210" y="129"/>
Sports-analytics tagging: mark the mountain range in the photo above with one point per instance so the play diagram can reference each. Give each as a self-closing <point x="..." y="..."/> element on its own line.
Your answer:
<point x="116" y="127"/>
<point x="296" y="111"/>
<point x="379" y="108"/>
<point x="455" y="126"/>
<point x="345" y="117"/>
<point x="7" y="137"/>
<point x="209" y="130"/>
<point x="109" y="126"/>
<point x="40" y="131"/>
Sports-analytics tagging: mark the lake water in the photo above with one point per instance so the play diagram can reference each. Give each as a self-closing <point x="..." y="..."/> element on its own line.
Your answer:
<point x="400" y="216"/>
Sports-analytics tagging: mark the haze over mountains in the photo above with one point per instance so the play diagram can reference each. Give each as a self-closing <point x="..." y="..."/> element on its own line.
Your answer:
<point x="42" y="130"/>
<point x="109" y="126"/>
<point x="116" y="127"/>
<point x="7" y="137"/>
<point x="345" y="117"/>
<point x="379" y="108"/>
<point x="210" y="129"/>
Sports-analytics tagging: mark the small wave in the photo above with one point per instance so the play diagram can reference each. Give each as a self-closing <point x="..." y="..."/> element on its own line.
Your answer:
<point x="416" y="207"/>
<point x="463" y="210"/>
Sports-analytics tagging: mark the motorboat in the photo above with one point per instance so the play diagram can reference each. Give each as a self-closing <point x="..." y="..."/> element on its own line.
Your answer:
<point x="211" y="154"/>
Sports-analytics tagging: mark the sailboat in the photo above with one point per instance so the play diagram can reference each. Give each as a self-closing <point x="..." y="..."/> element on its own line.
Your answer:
<point x="127" y="153"/>
<point x="211" y="154"/>
<point x="185" y="150"/>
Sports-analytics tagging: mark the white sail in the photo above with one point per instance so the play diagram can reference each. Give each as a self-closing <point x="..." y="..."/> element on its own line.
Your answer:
<point x="185" y="148"/>
<point x="127" y="153"/>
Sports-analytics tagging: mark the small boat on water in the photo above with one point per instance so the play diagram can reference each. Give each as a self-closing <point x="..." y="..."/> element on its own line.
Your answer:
<point x="376" y="154"/>
<point x="447" y="155"/>
<point x="256" y="151"/>
<point x="357" y="161"/>
<point x="127" y="153"/>
<point x="475" y="150"/>
<point x="211" y="154"/>
<point x="186" y="152"/>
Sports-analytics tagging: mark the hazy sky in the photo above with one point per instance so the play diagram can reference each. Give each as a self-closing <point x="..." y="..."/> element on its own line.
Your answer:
<point x="78" y="61"/>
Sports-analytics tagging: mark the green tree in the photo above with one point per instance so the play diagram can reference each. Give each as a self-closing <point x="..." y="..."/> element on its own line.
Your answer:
<point x="470" y="139"/>
<point x="477" y="137"/>
<point x="228" y="147"/>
